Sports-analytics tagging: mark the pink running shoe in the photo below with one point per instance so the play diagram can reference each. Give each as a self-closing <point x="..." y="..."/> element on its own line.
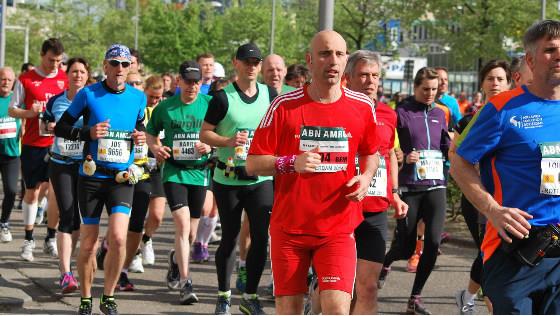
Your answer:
<point x="68" y="283"/>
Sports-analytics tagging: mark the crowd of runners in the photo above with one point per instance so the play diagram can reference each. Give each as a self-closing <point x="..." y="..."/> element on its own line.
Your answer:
<point x="301" y="166"/>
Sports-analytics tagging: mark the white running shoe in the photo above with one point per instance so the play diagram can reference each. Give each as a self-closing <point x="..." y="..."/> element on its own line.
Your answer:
<point x="136" y="265"/>
<point x="49" y="248"/>
<point x="148" y="256"/>
<point x="27" y="250"/>
<point x="5" y="235"/>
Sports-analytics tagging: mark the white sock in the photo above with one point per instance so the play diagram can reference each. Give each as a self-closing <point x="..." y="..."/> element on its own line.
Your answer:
<point x="209" y="229"/>
<point x="242" y="263"/>
<point x="199" y="232"/>
<point x="44" y="203"/>
<point x="29" y="213"/>
<point x="468" y="297"/>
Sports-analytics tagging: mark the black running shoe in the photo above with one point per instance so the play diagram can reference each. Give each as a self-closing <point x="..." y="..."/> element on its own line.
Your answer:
<point x="251" y="306"/>
<point x="172" y="272"/>
<point x="85" y="307"/>
<point x="187" y="296"/>
<point x="100" y="256"/>
<point x="223" y="305"/>
<point x="108" y="306"/>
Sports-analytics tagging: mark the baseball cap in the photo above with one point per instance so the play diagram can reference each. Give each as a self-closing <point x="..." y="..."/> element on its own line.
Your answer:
<point x="118" y="50"/>
<point x="247" y="51"/>
<point x="219" y="71"/>
<point x="190" y="70"/>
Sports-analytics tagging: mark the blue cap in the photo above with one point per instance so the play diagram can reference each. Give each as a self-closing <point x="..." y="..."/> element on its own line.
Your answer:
<point x="118" y="50"/>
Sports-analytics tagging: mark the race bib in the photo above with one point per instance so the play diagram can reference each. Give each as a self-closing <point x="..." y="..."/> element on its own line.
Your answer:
<point x="240" y="152"/>
<point x="140" y="152"/>
<point x="332" y="143"/>
<point x="115" y="147"/>
<point x="183" y="146"/>
<point x="378" y="185"/>
<point x="69" y="148"/>
<point x="550" y="168"/>
<point x="430" y="165"/>
<point x="8" y="128"/>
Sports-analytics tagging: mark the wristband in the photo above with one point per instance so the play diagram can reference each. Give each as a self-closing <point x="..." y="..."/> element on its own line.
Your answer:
<point x="285" y="164"/>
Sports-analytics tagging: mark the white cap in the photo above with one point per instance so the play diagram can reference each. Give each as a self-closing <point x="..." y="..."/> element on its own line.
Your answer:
<point x="219" y="71"/>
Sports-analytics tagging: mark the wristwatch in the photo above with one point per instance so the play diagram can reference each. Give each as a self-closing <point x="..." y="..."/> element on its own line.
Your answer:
<point x="396" y="191"/>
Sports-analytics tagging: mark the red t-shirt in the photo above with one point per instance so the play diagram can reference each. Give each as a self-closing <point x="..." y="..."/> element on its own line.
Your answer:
<point x="39" y="89"/>
<point x="314" y="203"/>
<point x="386" y="124"/>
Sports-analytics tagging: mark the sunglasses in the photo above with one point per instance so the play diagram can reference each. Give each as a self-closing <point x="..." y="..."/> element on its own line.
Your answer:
<point x="116" y="62"/>
<point x="135" y="83"/>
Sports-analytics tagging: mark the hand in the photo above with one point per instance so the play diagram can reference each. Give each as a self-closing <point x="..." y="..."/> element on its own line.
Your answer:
<point x="161" y="153"/>
<point x="307" y="161"/>
<point x="362" y="182"/>
<point x="401" y="208"/>
<point x="99" y="130"/>
<point x="138" y="137"/>
<point x="400" y="156"/>
<point x="510" y="220"/>
<point x="50" y="126"/>
<point x="239" y="139"/>
<point x="202" y="148"/>
<point x="34" y="111"/>
<point x="412" y="157"/>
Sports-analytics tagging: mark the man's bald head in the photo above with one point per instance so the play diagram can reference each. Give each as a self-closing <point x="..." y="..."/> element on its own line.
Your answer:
<point x="7" y="78"/>
<point x="327" y="57"/>
<point x="274" y="71"/>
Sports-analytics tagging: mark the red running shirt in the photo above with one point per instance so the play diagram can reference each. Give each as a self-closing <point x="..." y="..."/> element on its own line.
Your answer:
<point x="39" y="89"/>
<point x="315" y="203"/>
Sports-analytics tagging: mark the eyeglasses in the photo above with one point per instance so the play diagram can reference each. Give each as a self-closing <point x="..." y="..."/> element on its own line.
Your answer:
<point x="116" y="62"/>
<point x="135" y="83"/>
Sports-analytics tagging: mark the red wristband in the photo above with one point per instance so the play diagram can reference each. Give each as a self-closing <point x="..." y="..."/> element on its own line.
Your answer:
<point x="285" y="164"/>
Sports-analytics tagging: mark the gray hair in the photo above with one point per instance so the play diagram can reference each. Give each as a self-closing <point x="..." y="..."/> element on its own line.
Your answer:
<point x="548" y="29"/>
<point x="368" y="56"/>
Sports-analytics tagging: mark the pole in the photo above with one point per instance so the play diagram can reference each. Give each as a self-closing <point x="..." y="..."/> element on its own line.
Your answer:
<point x="272" y="26"/>
<point x="3" y="34"/>
<point x="543" y="10"/>
<point x="136" y="18"/>
<point x="326" y="14"/>
<point x="26" y="52"/>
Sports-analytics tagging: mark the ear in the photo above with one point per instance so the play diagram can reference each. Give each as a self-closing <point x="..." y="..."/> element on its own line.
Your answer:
<point x="529" y="58"/>
<point x="308" y="59"/>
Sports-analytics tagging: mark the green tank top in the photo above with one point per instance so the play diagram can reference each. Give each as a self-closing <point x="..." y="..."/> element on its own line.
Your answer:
<point x="9" y="130"/>
<point x="240" y="116"/>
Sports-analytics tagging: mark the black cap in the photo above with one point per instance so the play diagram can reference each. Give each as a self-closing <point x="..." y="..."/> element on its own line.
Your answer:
<point x="247" y="51"/>
<point x="190" y="70"/>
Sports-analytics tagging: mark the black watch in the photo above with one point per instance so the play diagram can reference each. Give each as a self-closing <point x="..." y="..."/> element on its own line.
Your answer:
<point x="396" y="191"/>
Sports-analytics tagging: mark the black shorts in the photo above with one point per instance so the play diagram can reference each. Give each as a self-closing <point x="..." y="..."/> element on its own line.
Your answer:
<point x="64" y="179"/>
<point x="140" y="203"/>
<point x="95" y="193"/>
<point x="157" y="185"/>
<point x="180" y="195"/>
<point x="33" y="165"/>
<point x="371" y="237"/>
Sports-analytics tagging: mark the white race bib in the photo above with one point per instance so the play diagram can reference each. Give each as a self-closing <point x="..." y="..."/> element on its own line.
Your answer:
<point x="184" y="146"/>
<point x="8" y="128"/>
<point x="115" y="147"/>
<point x="140" y="152"/>
<point x="550" y="168"/>
<point x="378" y="184"/>
<point x="430" y="165"/>
<point x="332" y="143"/>
<point x="69" y="148"/>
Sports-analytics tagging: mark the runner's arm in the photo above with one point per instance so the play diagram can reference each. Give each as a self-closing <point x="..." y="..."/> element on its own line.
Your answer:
<point x="210" y="137"/>
<point x="261" y="165"/>
<point x="65" y="129"/>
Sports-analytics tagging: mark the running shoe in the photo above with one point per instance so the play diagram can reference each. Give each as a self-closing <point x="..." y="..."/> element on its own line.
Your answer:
<point x="85" y="307"/>
<point x="124" y="283"/>
<point x="415" y="306"/>
<point x="148" y="256"/>
<point x="413" y="263"/>
<point x="68" y="283"/>
<point x="40" y="216"/>
<point x="108" y="306"/>
<point x="223" y="305"/>
<point x="172" y="272"/>
<point x="27" y="250"/>
<point x="465" y="308"/>
<point x="383" y="276"/>
<point x="187" y="296"/>
<point x="241" y="281"/>
<point x="49" y="247"/>
<point x="197" y="255"/>
<point x="5" y="234"/>
<point x="251" y="306"/>
<point x="205" y="253"/>
<point x="136" y="264"/>
<point x="100" y="256"/>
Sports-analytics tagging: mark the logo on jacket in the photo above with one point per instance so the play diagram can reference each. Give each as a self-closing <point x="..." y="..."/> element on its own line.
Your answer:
<point x="527" y="121"/>
<point x="60" y="84"/>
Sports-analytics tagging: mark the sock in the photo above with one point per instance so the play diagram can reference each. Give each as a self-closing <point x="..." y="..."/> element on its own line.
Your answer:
<point x="146" y="238"/>
<point x="43" y="203"/>
<point x="29" y="213"/>
<point x="468" y="297"/>
<point x="249" y="296"/>
<point x="211" y="223"/>
<point x="107" y="298"/>
<point x="29" y="234"/>
<point x="200" y="231"/>
<point x="50" y="233"/>
<point x="242" y="263"/>
<point x="226" y="294"/>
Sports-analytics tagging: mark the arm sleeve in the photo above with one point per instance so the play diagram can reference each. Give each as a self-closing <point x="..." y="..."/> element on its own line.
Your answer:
<point x="18" y="97"/>
<point x="217" y="108"/>
<point x="482" y="135"/>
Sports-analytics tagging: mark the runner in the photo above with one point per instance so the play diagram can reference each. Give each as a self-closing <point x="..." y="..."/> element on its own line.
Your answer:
<point x="114" y="120"/>
<point x="185" y="173"/>
<point x="33" y="89"/>
<point x="308" y="140"/>
<point x="520" y="72"/>
<point x="206" y="62"/>
<point x="362" y="73"/>
<point x="63" y="173"/>
<point x="233" y="115"/>
<point x="297" y="75"/>
<point x="10" y="129"/>
<point x="273" y="72"/>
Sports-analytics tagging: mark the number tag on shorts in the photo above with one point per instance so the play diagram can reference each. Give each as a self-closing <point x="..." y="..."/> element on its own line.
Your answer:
<point x="69" y="148"/>
<point x="140" y="152"/>
<point x="184" y="146"/>
<point x="242" y="151"/>
<point x="378" y="185"/>
<point x="115" y="147"/>
<point x="332" y="143"/>
<point x="550" y="168"/>
<point x="430" y="165"/>
<point x="8" y="127"/>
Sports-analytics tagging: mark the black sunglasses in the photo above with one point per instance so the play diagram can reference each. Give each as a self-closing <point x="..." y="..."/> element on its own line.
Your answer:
<point x="116" y="62"/>
<point x="135" y="83"/>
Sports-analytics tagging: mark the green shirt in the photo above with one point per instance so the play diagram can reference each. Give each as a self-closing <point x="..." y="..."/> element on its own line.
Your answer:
<point x="286" y="88"/>
<point x="10" y="129"/>
<point x="181" y="124"/>
<point x="240" y="116"/>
